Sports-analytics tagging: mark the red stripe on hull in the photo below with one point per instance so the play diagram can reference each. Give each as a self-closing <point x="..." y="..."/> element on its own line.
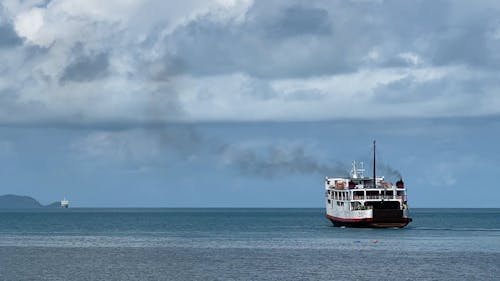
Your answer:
<point x="368" y="222"/>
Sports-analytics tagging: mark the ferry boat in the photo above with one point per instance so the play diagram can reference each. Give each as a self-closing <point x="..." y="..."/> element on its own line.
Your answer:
<point x="64" y="203"/>
<point x="361" y="201"/>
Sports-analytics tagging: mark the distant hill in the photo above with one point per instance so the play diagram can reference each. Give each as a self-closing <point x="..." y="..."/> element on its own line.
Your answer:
<point x="11" y="201"/>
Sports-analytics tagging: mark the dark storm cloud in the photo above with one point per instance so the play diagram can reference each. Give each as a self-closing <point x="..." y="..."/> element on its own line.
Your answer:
<point x="290" y="40"/>
<point x="297" y="21"/>
<point x="8" y="37"/>
<point x="441" y="32"/>
<point x="87" y="68"/>
<point x="263" y="45"/>
<point x="43" y="4"/>
<point x="468" y="45"/>
<point x="204" y="47"/>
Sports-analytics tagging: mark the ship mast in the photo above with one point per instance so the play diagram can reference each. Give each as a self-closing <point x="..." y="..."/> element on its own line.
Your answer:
<point x="374" y="165"/>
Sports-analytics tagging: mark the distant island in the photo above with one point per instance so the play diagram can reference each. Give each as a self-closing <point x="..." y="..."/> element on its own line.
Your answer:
<point x="11" y="201"/>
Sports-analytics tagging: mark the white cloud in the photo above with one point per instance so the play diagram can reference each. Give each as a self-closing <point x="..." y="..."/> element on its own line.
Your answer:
<point x="29" y="25"/>
<point x="411" y="58"/>
<point x="125" y="150"/>
<point x="353" y="95"/>
<point x="110" y="10"/>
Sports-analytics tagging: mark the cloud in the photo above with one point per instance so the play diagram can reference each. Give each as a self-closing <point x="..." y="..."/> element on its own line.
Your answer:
<point x="8" y="36"/>
<point x="151" y="61"/>
<point x="288" y="41"/>
<point x="28" y="25"/>
<point x="297" y="21"/>
<point x="445" y="93"/>
<point x="465" y="45"/>
<point x="161" y="147"/>
<point x="87" y="68"/>
<point x="139" y="148"/>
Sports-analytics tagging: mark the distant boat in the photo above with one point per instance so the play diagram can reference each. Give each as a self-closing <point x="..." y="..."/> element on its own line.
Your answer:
<point x="64" y="203"/>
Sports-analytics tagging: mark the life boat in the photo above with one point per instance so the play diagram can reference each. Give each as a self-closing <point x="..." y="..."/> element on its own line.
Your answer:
<point x="339" y="184"/>
<point x="386" y="184"/>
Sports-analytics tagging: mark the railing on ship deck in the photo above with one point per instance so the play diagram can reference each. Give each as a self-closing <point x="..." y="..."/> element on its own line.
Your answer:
<point x="368" y="197"/>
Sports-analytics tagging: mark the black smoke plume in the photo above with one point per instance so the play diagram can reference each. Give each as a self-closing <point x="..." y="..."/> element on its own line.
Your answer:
<point x="273" y="161"/>
<point x="388" y="172"/>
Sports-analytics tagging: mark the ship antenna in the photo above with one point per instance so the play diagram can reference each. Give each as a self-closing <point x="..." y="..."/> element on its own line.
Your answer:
<point x="374" y="167"/>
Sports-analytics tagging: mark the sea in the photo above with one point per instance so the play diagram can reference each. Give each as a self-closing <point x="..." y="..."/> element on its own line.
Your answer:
<point x="244" y="244"/>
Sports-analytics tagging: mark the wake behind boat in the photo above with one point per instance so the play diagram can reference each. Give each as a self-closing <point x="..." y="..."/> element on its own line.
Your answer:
<point x="360" y="201"/>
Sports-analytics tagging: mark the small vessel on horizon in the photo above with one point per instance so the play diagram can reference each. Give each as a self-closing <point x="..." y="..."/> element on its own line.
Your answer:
<point x="64" y="203"/>
<point x="360" y="201"/>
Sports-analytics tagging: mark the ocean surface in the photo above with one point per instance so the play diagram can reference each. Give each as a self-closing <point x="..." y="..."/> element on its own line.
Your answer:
<point x="244" y="244"/>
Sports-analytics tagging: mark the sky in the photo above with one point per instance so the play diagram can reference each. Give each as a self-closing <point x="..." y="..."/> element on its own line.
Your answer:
<point x="229" y="103"/>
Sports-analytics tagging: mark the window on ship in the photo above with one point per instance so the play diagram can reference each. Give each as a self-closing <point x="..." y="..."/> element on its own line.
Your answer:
<point x="383" y="204"/>
<point x="372" y="195"/>
<point x="400" y="194"/>
<point x="388" y="193"/>
<point x="358" y="195"/>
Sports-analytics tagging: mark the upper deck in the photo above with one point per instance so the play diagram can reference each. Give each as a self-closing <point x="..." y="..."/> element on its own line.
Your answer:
<point x="359" y="187"/>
